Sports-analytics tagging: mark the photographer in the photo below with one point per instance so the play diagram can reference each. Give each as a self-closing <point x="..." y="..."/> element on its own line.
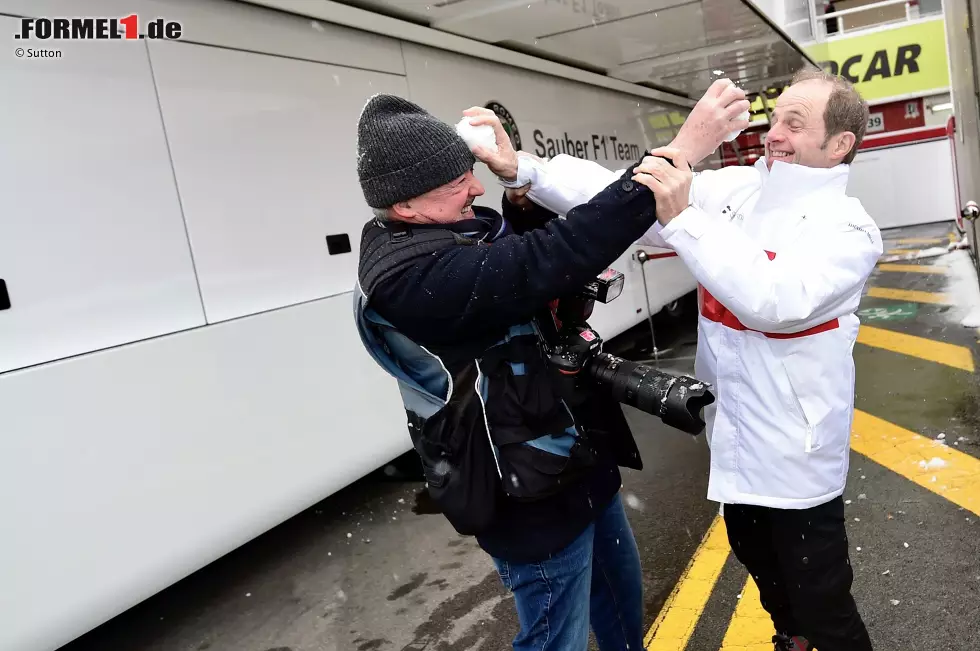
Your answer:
<point x="449" y="301"/>
<point x="781" y="255"/>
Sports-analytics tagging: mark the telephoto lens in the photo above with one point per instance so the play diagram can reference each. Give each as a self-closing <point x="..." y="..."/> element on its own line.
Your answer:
<point x="677" y="400"/>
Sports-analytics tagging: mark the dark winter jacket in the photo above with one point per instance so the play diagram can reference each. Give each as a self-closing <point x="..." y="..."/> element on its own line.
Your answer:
<point x="450" y="311"/>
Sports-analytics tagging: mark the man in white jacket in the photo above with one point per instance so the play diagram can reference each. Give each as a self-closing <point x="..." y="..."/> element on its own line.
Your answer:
<point x="781" y="255"/>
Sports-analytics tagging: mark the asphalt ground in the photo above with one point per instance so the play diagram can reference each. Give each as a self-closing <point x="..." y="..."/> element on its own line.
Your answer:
<point x="360" y="571"/>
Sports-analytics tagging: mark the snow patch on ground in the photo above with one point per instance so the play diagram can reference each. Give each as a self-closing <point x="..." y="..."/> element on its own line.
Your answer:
<point x="920" y="254"/>
<point x="634" y="502"/>
<point x="963" y="289"/>
<point x="932" y="464"/>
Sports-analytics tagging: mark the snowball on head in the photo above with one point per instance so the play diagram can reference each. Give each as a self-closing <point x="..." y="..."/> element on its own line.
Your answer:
<point x="482" y="135"/>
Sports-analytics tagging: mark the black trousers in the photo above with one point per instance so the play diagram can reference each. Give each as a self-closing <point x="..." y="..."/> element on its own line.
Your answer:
<point x="800" y="562"/>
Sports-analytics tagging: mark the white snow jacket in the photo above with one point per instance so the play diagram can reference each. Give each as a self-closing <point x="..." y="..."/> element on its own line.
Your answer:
<point x="781" y="258"/>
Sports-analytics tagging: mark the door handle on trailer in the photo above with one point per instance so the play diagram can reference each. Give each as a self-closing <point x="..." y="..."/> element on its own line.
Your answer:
<point x="970" y="211"/>
<point x="339" y="243"/>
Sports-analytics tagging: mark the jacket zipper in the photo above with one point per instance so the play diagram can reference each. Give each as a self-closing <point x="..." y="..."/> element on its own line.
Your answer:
<point x="808" y="437"/>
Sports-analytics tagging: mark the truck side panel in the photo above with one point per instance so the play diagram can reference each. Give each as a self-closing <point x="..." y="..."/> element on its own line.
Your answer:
<point x="153" y="182"/>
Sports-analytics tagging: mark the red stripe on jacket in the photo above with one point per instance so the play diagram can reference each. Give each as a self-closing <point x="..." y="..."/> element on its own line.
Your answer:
<point x="713" y="310"/>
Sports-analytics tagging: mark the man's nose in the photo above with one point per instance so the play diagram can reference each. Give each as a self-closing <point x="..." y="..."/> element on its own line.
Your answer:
<point x="476" y="188"/>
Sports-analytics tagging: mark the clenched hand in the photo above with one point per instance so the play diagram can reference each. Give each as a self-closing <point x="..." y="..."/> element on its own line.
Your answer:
<point x="504" y="162"/>
<point x="518" y="196"/>
<point x="711" y="120"/>
<point x="671" y="184"/>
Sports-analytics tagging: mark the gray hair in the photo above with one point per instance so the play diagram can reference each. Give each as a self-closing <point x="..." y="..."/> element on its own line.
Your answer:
<point x="382" y="214"/>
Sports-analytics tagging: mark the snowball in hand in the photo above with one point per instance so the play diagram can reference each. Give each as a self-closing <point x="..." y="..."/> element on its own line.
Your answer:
<point x="734" y="134"/>
<point x="482" y="135"/>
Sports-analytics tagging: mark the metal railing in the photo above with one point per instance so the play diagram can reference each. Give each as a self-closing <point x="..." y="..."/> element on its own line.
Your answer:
<point x="818" y="22"/>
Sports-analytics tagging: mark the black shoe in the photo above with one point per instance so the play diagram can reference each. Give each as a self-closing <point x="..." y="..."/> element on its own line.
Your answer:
<point x="786" y="643"/>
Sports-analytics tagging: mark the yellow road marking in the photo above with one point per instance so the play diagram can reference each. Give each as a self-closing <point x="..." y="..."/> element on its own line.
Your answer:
<point x="674" y="625"/>
<point x="914" y="295"/>
<point x="914" y="268"/>
<point x="905" y="251"/>
<point x="920" y="240"/>
<point x="909" y="250"/>
<point x="751" y="627"/>
<point x="934" y="351"/>
<point x="945" y="471"/>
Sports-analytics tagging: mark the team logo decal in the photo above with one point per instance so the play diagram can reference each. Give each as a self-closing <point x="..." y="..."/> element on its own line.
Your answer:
<point x="508" y="122"/>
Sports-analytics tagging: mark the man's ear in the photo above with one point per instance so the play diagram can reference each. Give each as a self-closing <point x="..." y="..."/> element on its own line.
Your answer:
<point x="404" y="210"/>
<point x="843" y="142"/>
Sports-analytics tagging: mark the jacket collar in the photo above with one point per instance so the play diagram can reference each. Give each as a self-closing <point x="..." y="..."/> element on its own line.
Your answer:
<point x="487" y="226"/>
<point x="787" y="182"/>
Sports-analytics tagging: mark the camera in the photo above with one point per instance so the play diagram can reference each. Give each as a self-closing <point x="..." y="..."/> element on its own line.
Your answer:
<point x="575" y="352"/>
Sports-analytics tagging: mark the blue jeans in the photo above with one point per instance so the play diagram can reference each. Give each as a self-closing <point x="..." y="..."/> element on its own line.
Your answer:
<point x="595" y="579"/>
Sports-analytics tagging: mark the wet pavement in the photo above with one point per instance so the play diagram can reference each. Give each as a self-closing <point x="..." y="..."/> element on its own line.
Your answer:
<point x="360" y="571"/>
<point x="924" y="596"/>
<point x="917" y="394"/>
<point x="408" y="584"/>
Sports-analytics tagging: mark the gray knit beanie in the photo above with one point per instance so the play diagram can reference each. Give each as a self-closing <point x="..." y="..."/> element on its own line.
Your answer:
<point x="403" y="151"/>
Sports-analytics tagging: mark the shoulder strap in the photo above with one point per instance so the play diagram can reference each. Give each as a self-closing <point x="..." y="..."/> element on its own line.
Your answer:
<point x="388" y="249"/>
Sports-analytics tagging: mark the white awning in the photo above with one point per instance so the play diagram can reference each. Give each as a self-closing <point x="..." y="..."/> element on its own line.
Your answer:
<point x="676" y="46"/>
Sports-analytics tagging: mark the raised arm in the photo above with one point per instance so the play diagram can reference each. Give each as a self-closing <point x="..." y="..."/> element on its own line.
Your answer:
<point x="465" y="291"/>
<point x="563" y="182"/>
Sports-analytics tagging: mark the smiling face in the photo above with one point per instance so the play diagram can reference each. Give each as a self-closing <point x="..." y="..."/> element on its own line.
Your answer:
<point x="446" y="204"/>
<point x="798" y="131"/>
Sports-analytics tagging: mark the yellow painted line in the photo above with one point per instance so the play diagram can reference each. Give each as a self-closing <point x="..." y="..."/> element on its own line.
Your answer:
<point x="920" y="240"/>
<point x="914" y="268"/>
<point x="941" y="469"/>
<point x="674" y="625"/>
<point x="906" y="251"/>
<point x="913" y="295"/>
<point x="934" y="351"/>
<point x="751" y="628"/>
